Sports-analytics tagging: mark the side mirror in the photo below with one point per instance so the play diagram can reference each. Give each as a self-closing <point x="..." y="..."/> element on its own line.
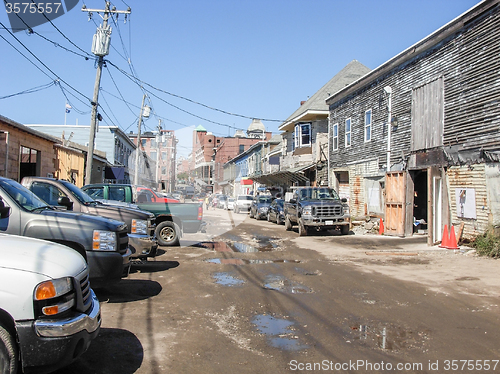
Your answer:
<point x="65" y="201"/>
<point x="344" y="200"/>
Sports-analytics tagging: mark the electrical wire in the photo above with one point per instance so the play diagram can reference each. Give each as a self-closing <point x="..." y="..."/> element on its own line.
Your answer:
<point x="30" y="90"/>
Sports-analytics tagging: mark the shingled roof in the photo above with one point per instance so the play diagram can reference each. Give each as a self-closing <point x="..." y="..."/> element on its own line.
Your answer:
<point x="316" y="104"/>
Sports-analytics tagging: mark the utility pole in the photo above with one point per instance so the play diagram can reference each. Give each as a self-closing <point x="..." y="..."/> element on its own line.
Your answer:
<point x="100" y="47"/>
<point x="138" y="152"/>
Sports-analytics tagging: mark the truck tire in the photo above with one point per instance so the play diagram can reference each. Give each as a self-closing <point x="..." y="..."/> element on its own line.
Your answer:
<point x="251" y="215"/>
<point x="302" y="228"/>
<point x="288" y="224"/>
<point x="268" y="217"/>
<point x="278" y="219"/>
<point x="8" y="352"/>
<point x="344" y="230"/>
<point x="167" y="234"/>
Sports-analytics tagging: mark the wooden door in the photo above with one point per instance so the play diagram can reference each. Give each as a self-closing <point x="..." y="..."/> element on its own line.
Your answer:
<point x="395" y="203"/>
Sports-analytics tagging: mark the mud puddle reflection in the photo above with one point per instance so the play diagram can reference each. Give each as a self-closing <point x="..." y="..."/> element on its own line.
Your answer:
<point x="227" y="279"/>
<point x="281" y="283"/>
<point x="280" y="332"/>
<point x="388" y="337"/>
<point x="241" y="261"/>
<point x="221" y="246"/>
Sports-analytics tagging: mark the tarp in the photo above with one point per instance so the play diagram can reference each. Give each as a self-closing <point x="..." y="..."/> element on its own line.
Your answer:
<point x="114" y="172"/>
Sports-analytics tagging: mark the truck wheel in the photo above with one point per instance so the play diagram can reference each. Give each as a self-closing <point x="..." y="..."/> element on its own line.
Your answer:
<point x="268" y="217"/>
<point x="344" y="230"/>
<point x="302" y="228"/>
<point x="278" y="219"/>
<point x="251" y="215"/>
<point x="288" y="224"/>
<point x="8" y="352"/>
<point x="167" y="234"/>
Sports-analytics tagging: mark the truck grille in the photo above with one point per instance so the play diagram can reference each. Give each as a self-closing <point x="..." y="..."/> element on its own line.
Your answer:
<point x="83" y="298"/>
<point x="327" y="211"/>
<point x="122" y="240"/>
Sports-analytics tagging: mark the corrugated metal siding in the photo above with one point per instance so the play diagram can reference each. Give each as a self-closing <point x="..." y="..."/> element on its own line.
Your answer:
<point x="469" y="177"/>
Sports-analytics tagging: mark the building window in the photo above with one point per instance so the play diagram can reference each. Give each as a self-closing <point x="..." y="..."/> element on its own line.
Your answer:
<point x="153" y="143"/>
<point x="368" y="125"/>
<point x="153" y="156"/>
<point x="143" y="142"/>
<point x="335" y="137"/>
<point x="302" y="135"/>
<point x="348" y="132"/>
<point x="242" y="148"/>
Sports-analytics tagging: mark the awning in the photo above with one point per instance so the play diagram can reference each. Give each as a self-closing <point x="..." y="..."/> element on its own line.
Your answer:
<point x="246" y="182"/>
<point x="287" y="177"/>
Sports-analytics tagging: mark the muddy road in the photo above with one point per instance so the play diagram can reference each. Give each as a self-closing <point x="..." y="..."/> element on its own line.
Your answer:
<point x="251" y="297"/>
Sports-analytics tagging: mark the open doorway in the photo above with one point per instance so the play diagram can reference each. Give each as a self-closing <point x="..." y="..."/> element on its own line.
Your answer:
<point x="420" y="194"/>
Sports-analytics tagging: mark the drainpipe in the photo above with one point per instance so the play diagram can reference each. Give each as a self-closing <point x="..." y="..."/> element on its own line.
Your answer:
<point x="388" y="91"/>
<point x="328" y="153"/>
<point x="6" y="153"/>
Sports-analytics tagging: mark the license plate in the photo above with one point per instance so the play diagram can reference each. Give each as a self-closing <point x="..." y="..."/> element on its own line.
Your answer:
<point x="328" y="223"/>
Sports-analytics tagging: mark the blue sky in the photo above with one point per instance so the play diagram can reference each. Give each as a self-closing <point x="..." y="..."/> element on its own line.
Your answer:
<point x="253" y="59"/>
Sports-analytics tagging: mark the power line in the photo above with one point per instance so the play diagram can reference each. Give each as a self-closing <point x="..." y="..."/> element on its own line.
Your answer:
<point x="30" y="90"/>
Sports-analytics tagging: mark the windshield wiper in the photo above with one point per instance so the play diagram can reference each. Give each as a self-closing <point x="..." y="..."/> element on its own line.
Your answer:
<point x="43" y="208"/>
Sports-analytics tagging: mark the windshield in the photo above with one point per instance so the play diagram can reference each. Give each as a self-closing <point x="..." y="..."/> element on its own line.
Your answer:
<point x="245" y="198"/>
<point x="320" y="193"/>
<point x="265" y="200"/>
<point x="81" y="196"/>
<point x="24" y="197"/>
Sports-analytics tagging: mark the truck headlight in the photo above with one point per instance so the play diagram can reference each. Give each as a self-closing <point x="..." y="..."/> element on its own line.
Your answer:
<point x="54" y="296"/>
<point x="345" y="208"/>
<point x="104" y="240"/>
<point x="139" y="226"/>
<point x="307" y="212"/>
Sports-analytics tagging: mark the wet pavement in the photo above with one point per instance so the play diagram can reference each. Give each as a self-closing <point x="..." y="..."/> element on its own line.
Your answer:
<point x="258" y="299"/>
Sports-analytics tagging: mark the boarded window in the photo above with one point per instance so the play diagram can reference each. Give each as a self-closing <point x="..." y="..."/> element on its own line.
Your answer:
<point x="427" y="115"/>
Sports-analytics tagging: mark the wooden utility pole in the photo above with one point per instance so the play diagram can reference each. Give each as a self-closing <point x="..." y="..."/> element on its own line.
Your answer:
<point x="100" y="47"/>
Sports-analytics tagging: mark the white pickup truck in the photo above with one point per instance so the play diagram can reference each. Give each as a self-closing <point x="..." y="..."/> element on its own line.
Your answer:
<point x="48" y="312"/>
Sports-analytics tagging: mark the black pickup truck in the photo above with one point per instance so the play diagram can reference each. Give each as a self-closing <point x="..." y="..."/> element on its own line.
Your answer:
<point x="317" y="208"/>
<point x="140" y="223"/>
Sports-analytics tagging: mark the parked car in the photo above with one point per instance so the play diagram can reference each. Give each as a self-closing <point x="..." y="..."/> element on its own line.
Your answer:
<point x="275" y="212"/>
<point x="230" y="203"/>
<point x="140" y="223"/>
<point x="260" y="206"/>
<point x="49" y="313"/>
<point x="317" y="208"/>
<point x="103" y="242"/>
<point x="172" y="219"/>
<point x="243" y="203"/>
<point x="221" y="202"/>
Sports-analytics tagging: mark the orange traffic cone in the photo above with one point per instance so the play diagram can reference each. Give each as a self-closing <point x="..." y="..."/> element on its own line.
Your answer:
<point x="381" y="227"/>
<point x="452" y="244"/>
<point x="445" y="239"/>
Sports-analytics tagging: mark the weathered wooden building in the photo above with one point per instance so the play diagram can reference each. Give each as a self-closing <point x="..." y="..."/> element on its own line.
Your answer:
<point x="417" y="140"/>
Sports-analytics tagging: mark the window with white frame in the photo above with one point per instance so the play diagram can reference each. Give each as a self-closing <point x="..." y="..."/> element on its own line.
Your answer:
<point x="335" y="137"/>
<point x="348" y="132"/>
<point x="302" y="135"/>
<point x="368" y="125"/>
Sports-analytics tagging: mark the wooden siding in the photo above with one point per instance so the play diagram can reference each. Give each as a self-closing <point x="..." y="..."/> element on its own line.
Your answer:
<point x="469" y="177"/>
<point x="471" y="111"/>
<point x="427" y="112"/>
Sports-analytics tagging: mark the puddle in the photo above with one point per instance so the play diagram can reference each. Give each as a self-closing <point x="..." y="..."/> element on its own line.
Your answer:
<point x="240" y="261"/>
<point x="226" y="279"/>
<point x="389" y="337"/>
<point x="279" y="331"/>
<point x="220" y="246"/>
<point x="280" y="283"/>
